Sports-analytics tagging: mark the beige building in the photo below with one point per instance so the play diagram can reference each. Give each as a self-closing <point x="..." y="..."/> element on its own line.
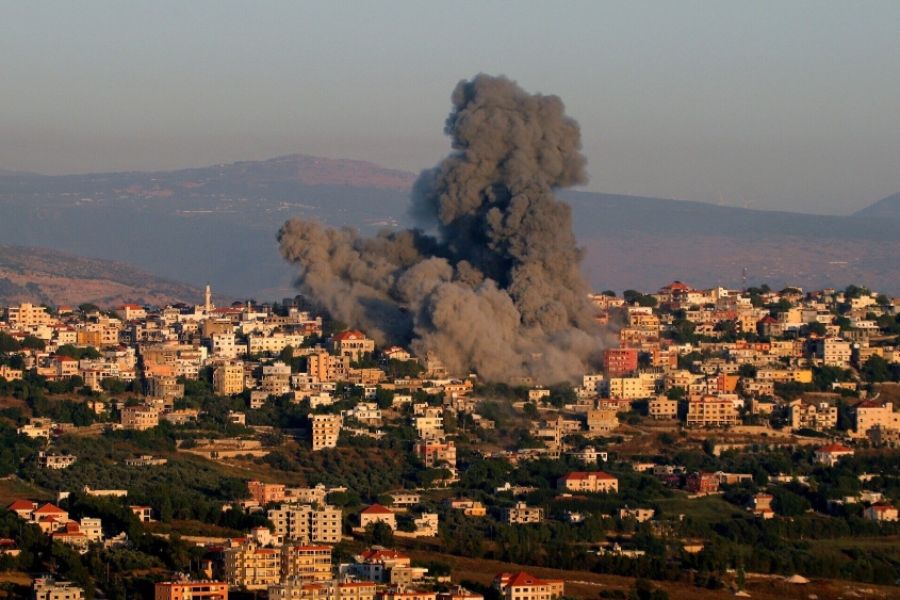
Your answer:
<point x="375" y="514"/>
<point x="273" y="344"/>
<point x="711" y="411"/>
<point x="306" y="563"/>
<point x="834" y="352"/>
<point x="882" y="513"/>
<point x="352" y="344"/>
<point x="873" y="413"/>
<point x="140" y="417"/>
<point x="45" y="588"/>
<point x="191" y="590"/>
<point x="524" y="586"/>
<point x="324" y="367"/>
<point x="818" y="417"/>
<point x="602" y="421"/>
<point x="27" y="315"/>
<point x="330" y="590"/>
<point x="662" y="407"/>
<point x="633" y="388"/>
<point x="252" y="567"/>
<point x="325" y="431"/>
<point x="589" y="481"/>
<point x="228" y="379"/>
<point x="436" y="453"/>
<point x="522" y="514"/>
<point x="305" y="524"/>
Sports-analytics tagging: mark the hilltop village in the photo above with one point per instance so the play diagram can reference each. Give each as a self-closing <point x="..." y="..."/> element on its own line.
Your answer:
<point x="729" y="441"/>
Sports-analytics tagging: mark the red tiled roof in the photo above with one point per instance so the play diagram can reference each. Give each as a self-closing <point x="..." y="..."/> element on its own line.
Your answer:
<point x="350" y="334"/>
<point x="376" y="509"/>
<point x="21" y="505"/>
<point x="49" y="509"/>
<point x="832" y="448"/>
<point x="580" y="475"/>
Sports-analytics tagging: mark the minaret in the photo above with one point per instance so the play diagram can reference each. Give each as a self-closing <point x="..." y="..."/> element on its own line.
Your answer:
<point x="207" y="300"/>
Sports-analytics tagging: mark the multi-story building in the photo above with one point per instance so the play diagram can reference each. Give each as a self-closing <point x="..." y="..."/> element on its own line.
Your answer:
<point x="306" y="563"/>
<point x="711" y="411"/>
<point x="601" y="421"/>
<point x="633" y="388"/>
<point x="618" y="362"/>
<point x="325" y="367"/>
<point x="870" y="414"/>
<point x="330" y="590"/>
<point x="352" y="344"/>
<point x="305" y="524"/>
<point x="252" y="567"/>
<point x="266" y="493"/>
<point x="522" y="514"/>
<point x="663" y="407"/>
<point x="228" y="379"/>
<point x="27" y="315"/>
<point x="273" y="344"/>
<point x="45" y="588"/>
<point x="433" y="453"/>
<point x="834" y="352"/>
<point x="818" y="417"/>
<point x="524" y="586"/>
<point x="325" y="431"/>
<point x="191" y="590"/>
<point x="589" y="481"/>
<point x="140" y="417"/>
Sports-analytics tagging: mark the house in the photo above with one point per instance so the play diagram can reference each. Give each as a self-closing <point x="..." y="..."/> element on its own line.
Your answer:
<point x="702" y="483"/>
<point x="832" y="453"/>
<point x="762" y="506"/>
<point x="385" y="566"/>
<point x="23" y="508"/>
<point x="143" y="513"/>
<point x="377" y="514"/>
<point x="352" y="343"/>
<point x="265" y="493"/>
<point x="470" y="508"/>
<point x="55" y="461"/>
<point x="640" y="515"/>
<point x="882" y="513"/>
<point x="589" y="481"/>
<point x="45" y="588"/>
<point x="522" y="514"/>
<point x="524" y="586"/>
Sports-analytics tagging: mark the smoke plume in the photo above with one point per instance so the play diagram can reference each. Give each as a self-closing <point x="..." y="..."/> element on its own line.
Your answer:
<point x="490" y="284"/>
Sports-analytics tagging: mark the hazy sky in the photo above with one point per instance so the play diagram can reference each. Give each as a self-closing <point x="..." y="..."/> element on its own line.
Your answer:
<point x="779" y="104"/>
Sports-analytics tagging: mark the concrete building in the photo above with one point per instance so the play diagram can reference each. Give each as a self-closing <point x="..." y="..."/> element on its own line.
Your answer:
<point x="352" y="344"/>
<point x="305" y="524"/>
<point x="589" y="481"/>
<point x="252" y="567"/>
<point x="191" y="590"/>
<point x="375" y="514"/>
<point x="522" y="514"/>
<point x="140" y="417"/>
<point x="524" y="586"/>
<point x="45" y="588"/>
<point x="325" y="431"/>
<point x="228" y="379"/>
<point x="711" y="411"/>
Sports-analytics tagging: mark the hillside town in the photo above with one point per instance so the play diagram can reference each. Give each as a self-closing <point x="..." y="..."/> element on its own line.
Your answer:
<point x="727" y="440"/>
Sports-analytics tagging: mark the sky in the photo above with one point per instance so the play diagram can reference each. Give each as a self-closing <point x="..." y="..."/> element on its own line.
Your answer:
<point x="770" y="104"/>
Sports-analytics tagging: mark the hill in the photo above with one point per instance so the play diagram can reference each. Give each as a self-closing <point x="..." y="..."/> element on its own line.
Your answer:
<point x="218" y="224"/>
<point x="40" y="275"/>
<point x="885" y="208"/>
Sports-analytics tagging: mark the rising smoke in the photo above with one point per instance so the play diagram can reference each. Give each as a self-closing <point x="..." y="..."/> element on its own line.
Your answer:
<point x="493" y="287"/>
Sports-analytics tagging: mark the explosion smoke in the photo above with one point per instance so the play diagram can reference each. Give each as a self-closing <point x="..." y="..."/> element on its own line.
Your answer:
<point x="495" y="289"/>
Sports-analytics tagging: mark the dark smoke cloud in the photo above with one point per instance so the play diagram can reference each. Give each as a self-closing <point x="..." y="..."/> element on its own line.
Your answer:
<point x="494" y="287"/>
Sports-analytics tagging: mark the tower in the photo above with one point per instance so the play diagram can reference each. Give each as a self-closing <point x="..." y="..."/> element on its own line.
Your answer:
<point x="207" y="300"/>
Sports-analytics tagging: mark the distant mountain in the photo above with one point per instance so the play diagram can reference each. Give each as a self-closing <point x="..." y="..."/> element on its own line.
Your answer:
<point x="218" y="224"/>
<point x="885" y="208"/>
<point x="39" y="275"/>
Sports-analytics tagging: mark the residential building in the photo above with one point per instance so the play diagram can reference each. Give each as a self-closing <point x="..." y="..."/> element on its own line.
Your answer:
<point x="329" y="590"/>
<point x="306" y="563"/>
<point x="140" y="417"/>
<point x="831" y="454"/>
<point x="702" y="483"/>
<point x="882" y="513"/>
<point x="252" y="567"/>
<point x="818" y="417"/>
<point x="352" y="344"/>
<point x="266" y="493"/>
<point x="377" y="513"/>
<point x="589" y="481"/>
<point x="522" y="514"/>
<point x="524" y="586"/>
<point x="325" y="431"/>
<point x="305" y="524"/>
<point x="663" y="407"/>
<point x="191" y="590"/>
<point x="228" y="379"/>
<point x="711" y="411"/>
<point x="45" y="588"/>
